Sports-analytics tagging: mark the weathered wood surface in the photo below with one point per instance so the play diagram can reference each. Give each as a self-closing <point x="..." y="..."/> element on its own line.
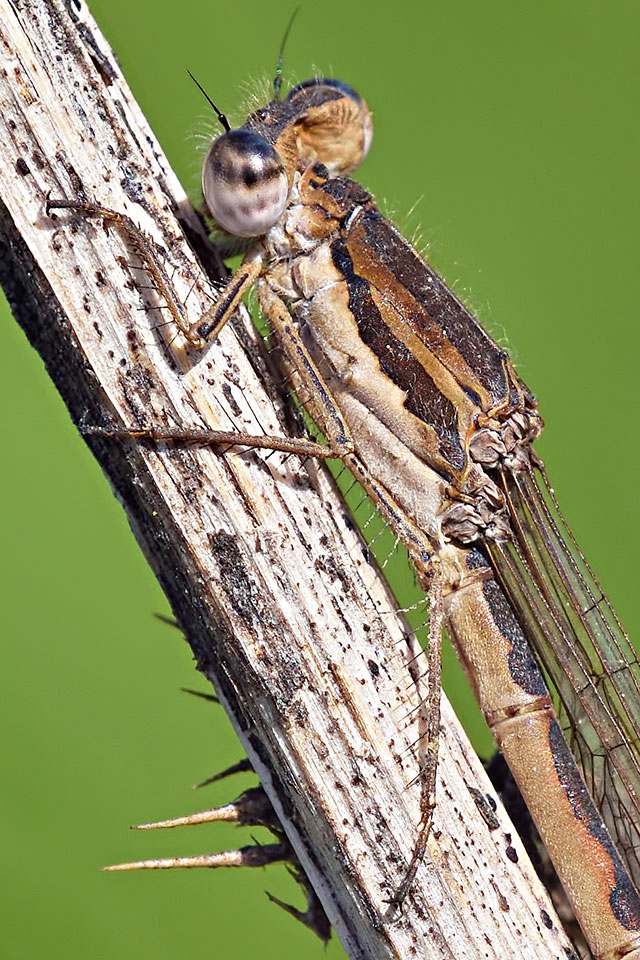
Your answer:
<point x="283" y="611"/>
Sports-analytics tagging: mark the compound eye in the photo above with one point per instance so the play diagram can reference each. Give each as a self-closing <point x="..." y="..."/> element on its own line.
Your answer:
<point x="244" y="183"/>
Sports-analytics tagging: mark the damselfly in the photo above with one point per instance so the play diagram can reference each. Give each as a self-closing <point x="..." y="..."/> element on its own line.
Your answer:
<point x="429" y="415"/>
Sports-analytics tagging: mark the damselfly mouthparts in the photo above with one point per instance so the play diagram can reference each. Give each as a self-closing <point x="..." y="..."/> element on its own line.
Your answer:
<point x="428" y="413"/>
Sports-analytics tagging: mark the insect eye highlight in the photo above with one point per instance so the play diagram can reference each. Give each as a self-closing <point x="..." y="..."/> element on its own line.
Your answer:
<point x="244" y="183"/>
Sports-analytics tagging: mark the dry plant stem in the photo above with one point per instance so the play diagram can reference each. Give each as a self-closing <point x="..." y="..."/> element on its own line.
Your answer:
<point x="263" y="570"/>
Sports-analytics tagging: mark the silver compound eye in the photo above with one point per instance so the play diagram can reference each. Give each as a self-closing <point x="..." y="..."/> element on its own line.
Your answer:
<point x="244" y="183"/>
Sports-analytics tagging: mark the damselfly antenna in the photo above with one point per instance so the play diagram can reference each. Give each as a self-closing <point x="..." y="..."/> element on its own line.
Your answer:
<point x="277" y="80"/>
<point x="221" y="117"/>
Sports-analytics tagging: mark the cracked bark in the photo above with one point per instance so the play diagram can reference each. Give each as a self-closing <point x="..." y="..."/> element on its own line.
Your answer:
<point x="264" y="572"/>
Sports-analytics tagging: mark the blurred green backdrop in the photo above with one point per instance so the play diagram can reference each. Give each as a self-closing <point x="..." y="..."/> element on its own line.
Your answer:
<point x="512" y="131"/>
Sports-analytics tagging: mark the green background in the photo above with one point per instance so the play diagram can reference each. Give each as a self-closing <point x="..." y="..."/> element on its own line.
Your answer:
<point x="513" y="130"/>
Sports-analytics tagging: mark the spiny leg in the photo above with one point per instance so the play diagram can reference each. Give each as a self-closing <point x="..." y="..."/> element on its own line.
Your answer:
<point x="144" y="246"/>
<point x="227" y="438"/>
<point x="428" y="742"/>
<point x="327" y="415"/>
<point x="319" y="401"/>
<point x="213" y="320"/>
<point x="423" y="555"/>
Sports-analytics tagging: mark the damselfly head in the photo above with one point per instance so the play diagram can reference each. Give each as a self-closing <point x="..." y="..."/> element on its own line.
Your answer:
<point x="248" y="173"/>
